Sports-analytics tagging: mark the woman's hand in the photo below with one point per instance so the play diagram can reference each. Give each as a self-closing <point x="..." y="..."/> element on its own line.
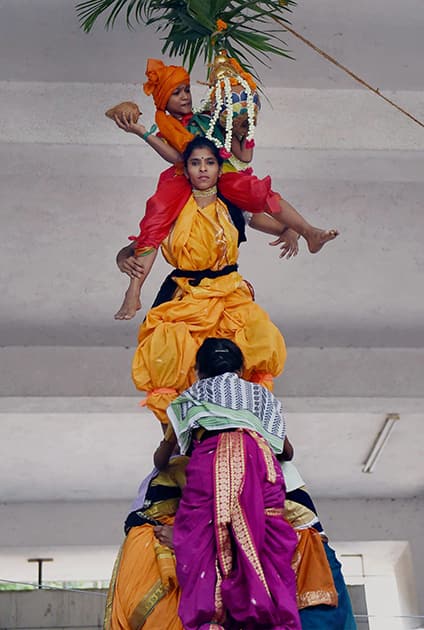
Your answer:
<point x="132" y="267"/>
<point x="130" y="264"/>
<point x="288" y="451"/>
<point x="165" y="535"/>
<point x="288" y="240"/>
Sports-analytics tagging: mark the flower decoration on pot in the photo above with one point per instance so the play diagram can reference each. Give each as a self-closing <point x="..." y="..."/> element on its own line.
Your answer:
<point x="234" y="103"/>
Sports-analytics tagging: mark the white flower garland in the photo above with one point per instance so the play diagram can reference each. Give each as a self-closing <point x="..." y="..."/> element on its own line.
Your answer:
<point x="230" y="111"/>
<point x="215" y="114"/>
<point x="225" y="85"/>
<point x="250" y="109"/>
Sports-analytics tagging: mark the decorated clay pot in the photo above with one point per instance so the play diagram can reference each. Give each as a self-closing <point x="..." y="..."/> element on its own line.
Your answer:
<point x="239" y="102"/>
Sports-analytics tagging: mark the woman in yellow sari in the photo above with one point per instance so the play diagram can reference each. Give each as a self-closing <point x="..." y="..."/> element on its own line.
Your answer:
<point x="144" y="591"/>
<point x="209" y="297"/>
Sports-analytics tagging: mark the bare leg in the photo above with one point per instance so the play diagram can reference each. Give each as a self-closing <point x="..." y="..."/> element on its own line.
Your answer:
<point x="132" y="302"/>
<point x="315" y="237"/>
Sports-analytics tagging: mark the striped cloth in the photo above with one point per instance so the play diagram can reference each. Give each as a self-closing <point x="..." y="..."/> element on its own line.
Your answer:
<point x="225" y="402"/>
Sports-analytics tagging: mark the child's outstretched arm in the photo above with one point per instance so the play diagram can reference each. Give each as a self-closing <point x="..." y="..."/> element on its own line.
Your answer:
<point x="287" y="238"/>
<point x="126" y="122"/>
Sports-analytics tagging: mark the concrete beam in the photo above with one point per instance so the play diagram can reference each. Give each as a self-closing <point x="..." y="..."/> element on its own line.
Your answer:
<point x="384" y="373"/>
<point x="129" y="160"/>
<point x="73" y="113"/>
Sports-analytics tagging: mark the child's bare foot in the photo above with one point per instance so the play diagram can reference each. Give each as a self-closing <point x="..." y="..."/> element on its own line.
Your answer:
<point x="317" y="238"/>
<point x="130" y="306"/>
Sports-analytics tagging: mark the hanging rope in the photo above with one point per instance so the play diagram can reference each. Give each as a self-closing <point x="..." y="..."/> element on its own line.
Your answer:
<point x="349" y="72"/>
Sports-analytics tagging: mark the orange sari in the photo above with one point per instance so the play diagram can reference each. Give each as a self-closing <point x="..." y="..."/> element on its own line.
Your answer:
<point x="144" y="592"/>
<point x="315" y="583"/>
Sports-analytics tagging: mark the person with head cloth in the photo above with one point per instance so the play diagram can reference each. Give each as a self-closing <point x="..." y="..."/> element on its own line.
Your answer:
<point x="170" y="88"/>
<point x="233" y="546"/>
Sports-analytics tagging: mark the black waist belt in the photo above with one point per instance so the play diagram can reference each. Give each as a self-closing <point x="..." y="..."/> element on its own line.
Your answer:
<point x="169" y="285"/>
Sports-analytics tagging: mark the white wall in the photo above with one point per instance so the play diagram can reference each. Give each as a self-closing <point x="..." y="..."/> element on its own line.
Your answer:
<point x="53" y="610"/>
<point x="385" y="520"/>
<point x="384" y="570"/>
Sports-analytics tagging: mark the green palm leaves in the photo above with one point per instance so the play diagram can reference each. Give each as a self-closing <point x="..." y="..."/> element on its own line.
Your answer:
<point x="201" y="28"/>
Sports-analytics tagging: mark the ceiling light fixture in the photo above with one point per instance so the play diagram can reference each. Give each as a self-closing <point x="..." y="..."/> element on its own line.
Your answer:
<point x="380" y="442"/>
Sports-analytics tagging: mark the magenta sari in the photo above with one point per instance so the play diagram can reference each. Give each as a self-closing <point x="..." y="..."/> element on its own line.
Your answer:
<point x="232" y="543"/>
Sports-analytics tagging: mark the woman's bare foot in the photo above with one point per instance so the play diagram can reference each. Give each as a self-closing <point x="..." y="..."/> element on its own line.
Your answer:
<point x="130" y="306"/>
<point x="317" y="238"/>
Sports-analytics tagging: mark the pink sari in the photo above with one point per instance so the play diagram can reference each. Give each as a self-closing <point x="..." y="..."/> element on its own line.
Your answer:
<point x="233" y="546"/>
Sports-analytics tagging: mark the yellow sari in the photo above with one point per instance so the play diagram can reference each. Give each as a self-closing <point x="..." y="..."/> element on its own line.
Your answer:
<point x="163" y="364"/>
<point x="144" y="591"/>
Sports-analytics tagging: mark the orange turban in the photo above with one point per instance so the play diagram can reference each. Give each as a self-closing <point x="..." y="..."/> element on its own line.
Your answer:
<point x="161" y="82"/>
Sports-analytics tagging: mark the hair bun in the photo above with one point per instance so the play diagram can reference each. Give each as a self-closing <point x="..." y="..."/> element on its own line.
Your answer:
<point x="217" y="356"/>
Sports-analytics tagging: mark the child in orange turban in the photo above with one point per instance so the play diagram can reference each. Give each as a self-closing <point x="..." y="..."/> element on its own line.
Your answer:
<point x="161" y="82"/>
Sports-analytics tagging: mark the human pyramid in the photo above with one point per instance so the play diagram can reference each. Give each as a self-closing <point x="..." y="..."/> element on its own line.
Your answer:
<point x="223" y="533"/>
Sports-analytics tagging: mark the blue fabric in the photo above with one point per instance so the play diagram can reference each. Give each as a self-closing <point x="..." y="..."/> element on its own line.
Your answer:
<point x="324" y="617"/>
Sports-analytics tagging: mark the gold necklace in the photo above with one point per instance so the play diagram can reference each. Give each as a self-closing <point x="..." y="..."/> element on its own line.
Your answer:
<point x="200" y="194"/>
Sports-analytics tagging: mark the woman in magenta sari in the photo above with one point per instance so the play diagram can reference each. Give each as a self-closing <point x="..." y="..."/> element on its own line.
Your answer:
<point x="233" y="546"/>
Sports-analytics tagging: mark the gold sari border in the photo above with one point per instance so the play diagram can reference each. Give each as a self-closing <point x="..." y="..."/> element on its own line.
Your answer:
<point x="229" y="474"/>
<point x="314" y="598"/>
<point x="107" y="621"/>
<point x="147" y="604"/>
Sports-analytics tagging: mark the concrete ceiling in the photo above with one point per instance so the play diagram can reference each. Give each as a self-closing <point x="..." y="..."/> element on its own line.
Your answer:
<point x="73" y="188"/>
